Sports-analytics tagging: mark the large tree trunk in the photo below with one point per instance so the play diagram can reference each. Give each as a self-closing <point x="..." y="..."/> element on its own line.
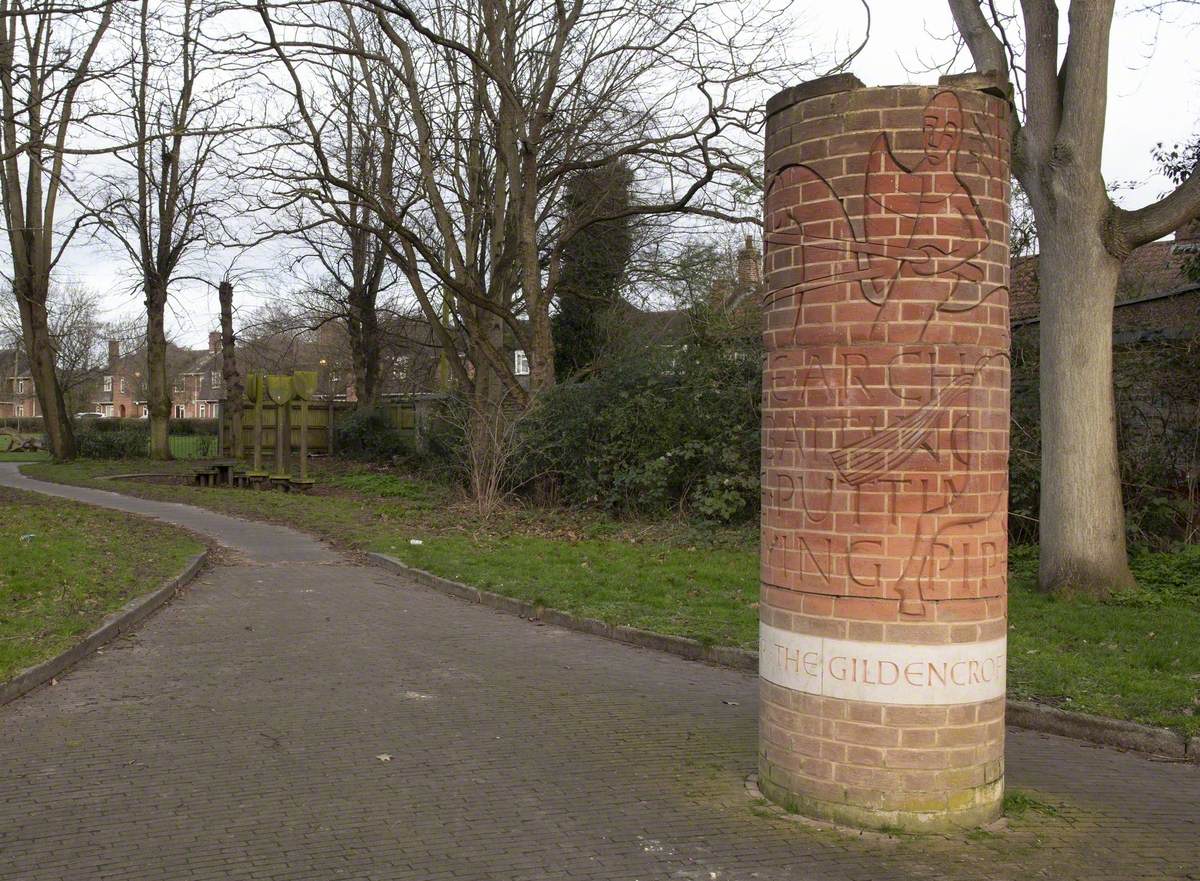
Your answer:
<point x="541" y="367"/>
<point x="1082" y="519"/>
<point x="39" y="347"/>
<point x="158" y="391"/>
<point x="364" y="349"/>
<point x="230" y="375"/>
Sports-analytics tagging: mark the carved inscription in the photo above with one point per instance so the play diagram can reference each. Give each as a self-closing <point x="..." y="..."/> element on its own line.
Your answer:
<point x="886" y="374"/>
<point x="929" y="675"/>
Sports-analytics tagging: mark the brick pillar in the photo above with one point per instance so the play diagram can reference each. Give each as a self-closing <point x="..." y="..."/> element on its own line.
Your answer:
<point x="885" y="453"/>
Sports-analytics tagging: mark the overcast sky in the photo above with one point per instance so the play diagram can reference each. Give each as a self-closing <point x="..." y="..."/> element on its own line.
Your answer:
<point x="1152" y="98"/>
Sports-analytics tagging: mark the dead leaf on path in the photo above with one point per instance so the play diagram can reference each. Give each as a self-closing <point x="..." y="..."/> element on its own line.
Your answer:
<point x="384" y="757"/>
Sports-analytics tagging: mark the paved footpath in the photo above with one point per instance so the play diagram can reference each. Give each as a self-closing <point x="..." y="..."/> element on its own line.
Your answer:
<point x="238" y="735"/>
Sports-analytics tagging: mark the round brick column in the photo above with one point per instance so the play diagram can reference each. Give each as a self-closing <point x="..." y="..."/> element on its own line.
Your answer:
<point x="885" y="453"/>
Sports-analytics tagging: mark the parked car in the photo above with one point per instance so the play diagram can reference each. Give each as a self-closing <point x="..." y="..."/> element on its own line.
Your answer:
<point x="89" y="415"/>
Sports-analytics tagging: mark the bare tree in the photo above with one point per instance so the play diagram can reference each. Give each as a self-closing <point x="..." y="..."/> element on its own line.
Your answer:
<point x="484" y="112"/>
<point x="167" y="199"/>
<point x="78" y="337"/>
<point x="48" y="54"/>
<point x="230" y="375"/>
<point x="1083" y="238"/>
<point x="337" y="230"/>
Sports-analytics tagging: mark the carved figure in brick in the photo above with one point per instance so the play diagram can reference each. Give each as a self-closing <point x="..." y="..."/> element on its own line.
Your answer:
<point x="922" y="229"/>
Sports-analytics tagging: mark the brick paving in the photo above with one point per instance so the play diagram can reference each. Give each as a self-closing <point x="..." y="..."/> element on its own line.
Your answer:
<point x="236" y="736"/>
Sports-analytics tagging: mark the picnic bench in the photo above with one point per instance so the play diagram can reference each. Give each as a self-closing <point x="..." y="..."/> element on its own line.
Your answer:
<point x="219" y="473"/>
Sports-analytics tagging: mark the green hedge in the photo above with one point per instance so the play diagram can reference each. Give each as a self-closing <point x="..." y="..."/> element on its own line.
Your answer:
<point x="31" y="424"/>
<point x="668" y="429"/>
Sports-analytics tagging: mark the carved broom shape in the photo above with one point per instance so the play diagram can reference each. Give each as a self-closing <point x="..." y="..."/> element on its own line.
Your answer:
<point x="887" y="449"/>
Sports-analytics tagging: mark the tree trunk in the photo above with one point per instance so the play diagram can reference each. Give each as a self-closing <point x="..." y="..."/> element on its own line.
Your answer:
<point x="364" y="349"/>
<point x="39" y="347"/>
<point x="158" y="392"/>
<point x="541" y="368"/>
<point x="1082" y="527"/>
<point x="230" y="375"/>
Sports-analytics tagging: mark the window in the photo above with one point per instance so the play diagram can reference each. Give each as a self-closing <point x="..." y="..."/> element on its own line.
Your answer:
<point x="145" y="412"/>
<point x="215" y="377"/>
<point x="108" y="384"/>
<point x="520" y="363"/>
<point x="179" y="411"/>
<point x="124" y="386"/>
<point x="203" y="410"/>
<point x="20" y="386"/>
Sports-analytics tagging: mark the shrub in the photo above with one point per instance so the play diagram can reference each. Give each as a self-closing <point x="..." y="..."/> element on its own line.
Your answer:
<point x="114" y="442"/>
<point x="661" y="429"/>
<point x="31" y="424"/>
<point x="1157" y="388"/>
<point x="193" y="426"/>
<point x="370" y="436"/>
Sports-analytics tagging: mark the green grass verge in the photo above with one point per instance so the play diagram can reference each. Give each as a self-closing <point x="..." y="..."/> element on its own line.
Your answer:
<point x="64" y="566"/>
<point x="1137" y="657"/>
<point x="24" y="457"/>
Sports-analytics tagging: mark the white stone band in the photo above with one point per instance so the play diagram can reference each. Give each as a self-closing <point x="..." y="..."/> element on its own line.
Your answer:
<point x="882" y="672"/>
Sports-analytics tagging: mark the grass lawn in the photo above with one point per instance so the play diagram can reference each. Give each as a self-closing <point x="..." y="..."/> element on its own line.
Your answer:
<point x="64" y="566"/>
<point x="24" y="457"/>
<point x="1137" y="658"/>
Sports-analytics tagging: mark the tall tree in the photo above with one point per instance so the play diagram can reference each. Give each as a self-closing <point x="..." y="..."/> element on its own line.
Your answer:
<point x="48" y="55"/>
<point x="594" y="264"/>
<point x="231" y="377"/>
<point x="1083" y="238"/>
<point x="338" y="230"/>
<point x="168" y="200"/>
<point x="500" y="105"/>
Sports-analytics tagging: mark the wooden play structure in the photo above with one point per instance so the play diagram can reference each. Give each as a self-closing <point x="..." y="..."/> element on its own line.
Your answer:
<point x="278" y="411"/>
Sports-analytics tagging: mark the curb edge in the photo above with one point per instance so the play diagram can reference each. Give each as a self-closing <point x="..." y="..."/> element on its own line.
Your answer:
<point x="1029" y="715"/>
<point x="117" y="623"/>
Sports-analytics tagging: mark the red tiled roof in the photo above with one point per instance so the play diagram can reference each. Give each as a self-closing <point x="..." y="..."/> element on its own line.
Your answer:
<point x="1150" y="269"/>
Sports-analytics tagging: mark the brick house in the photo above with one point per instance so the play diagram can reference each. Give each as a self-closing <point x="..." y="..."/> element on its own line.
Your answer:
<point x="1155" y="297"/>
<point x="194" y="374"/>
<point x="736" y="297"/>
<point x="18" y="395"/>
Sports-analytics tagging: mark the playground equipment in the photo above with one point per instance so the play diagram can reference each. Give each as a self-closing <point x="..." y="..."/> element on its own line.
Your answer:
<point x="280" y="392"/>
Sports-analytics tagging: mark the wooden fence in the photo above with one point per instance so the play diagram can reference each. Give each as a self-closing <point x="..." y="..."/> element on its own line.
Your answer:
<point x="409" y="415"/>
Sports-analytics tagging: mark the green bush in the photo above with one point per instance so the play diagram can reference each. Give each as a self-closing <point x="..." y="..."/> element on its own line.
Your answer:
<point x="659" y="430"/>
<point x="1024" y="458"/>
<point x="370" y="436"/>
<point x="31" y="424"/>
<point x="109" y="442"/>
<point x="1157" y="389"/>
<point x="194" y="426"/>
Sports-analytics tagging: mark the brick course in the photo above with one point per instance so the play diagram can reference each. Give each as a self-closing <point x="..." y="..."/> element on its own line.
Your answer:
<point x="885" y="436"/>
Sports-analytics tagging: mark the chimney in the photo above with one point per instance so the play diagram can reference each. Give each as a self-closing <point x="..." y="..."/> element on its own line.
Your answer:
<point x="114" y="352"/>
<point x="214" y="341"/>
<point x="749" y="265"/>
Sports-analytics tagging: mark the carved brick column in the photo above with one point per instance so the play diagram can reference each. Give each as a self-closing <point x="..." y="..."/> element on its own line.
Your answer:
<point x="885" y="453"/>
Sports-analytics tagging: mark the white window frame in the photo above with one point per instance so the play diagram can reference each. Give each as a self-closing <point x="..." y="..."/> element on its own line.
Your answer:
<point x="520" y="363"/>
<point x="108" y="384"/>
<point x="179" y="411"/>
<point x="20" y="386"/>
<point x="124" y="386"/>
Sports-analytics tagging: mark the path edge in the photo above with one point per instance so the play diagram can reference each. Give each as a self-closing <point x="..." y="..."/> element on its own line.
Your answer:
<point x="116" y="624"/>
<point x="1029" y="715"/>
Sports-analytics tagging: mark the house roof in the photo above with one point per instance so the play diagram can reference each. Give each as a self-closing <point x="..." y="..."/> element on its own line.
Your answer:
<point x="1152" y="271"/>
